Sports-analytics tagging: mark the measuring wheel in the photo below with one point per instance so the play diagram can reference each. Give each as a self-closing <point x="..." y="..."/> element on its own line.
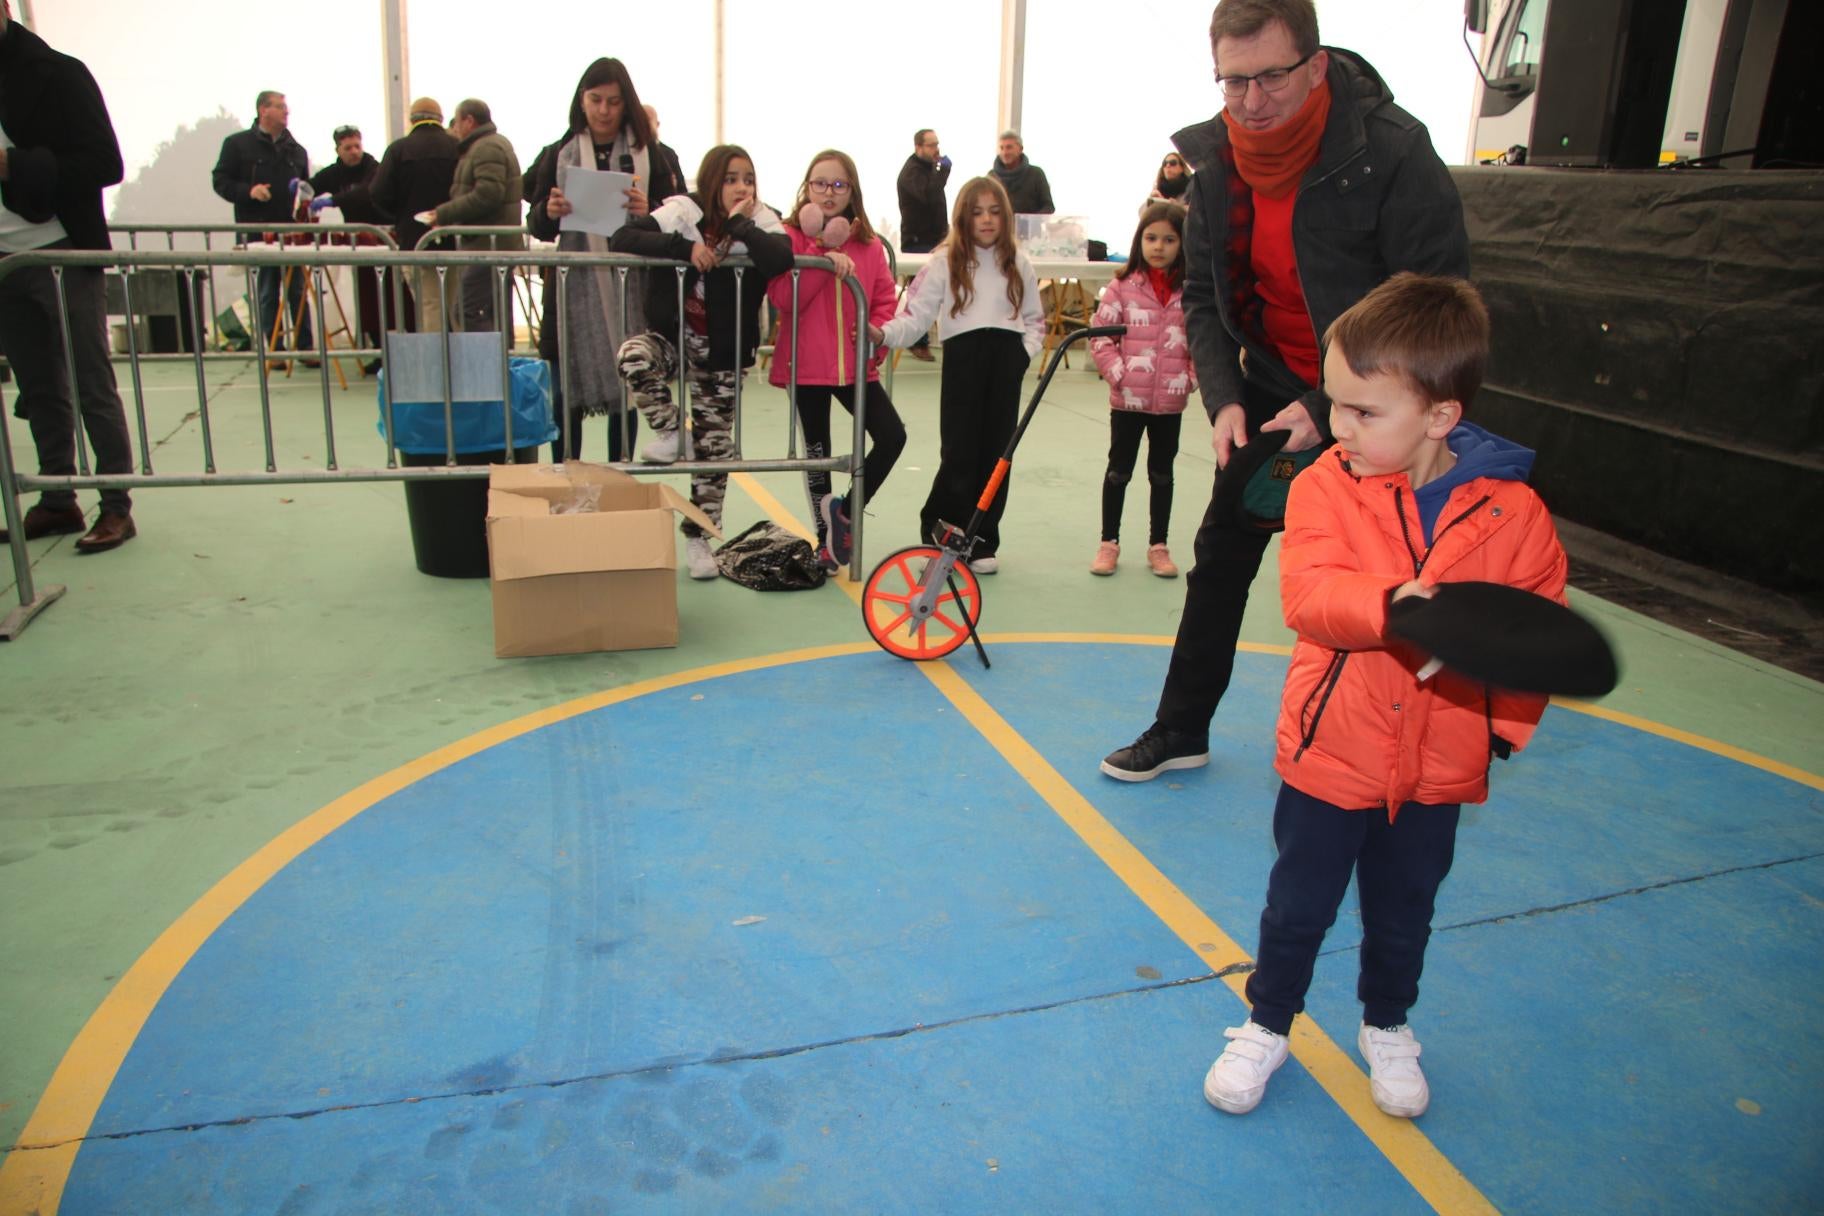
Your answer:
<point x="921" y="603"/>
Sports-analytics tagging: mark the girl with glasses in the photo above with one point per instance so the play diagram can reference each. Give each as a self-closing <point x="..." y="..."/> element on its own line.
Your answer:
<point x="829" y="220"/>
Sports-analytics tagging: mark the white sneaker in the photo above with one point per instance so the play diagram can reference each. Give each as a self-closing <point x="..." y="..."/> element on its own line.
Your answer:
<point x="699" y="560"/>
<point x="1394" y="1076"/>
<point x="985" y="565"/>
<point x="663" y="449"/>
<point x="1239" y="1076"/>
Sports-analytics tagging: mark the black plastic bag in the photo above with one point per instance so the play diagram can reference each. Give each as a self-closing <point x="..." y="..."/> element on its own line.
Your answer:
<point x="768" y="558"/>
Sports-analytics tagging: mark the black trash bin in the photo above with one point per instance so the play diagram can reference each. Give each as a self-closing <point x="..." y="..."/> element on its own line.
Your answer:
<point x="449" y="516"/>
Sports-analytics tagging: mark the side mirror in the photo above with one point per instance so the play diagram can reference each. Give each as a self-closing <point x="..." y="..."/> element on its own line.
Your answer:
<point x="1475" y="16"/>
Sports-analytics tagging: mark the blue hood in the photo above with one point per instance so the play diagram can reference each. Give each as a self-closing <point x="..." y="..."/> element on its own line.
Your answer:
<point x="1479" y="453"/>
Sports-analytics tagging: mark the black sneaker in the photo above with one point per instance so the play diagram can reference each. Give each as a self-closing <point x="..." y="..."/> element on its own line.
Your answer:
<point x="1157" y="749"/>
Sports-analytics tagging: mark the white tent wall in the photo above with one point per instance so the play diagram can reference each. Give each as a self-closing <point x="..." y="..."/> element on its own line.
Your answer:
<point x="1105" y="86"/>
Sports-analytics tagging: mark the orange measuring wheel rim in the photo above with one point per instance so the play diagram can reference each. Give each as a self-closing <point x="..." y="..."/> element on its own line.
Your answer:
<point x="886" y="606"/>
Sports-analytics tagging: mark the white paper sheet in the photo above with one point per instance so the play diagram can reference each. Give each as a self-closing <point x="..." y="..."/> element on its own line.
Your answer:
<point x="598" y="199"/>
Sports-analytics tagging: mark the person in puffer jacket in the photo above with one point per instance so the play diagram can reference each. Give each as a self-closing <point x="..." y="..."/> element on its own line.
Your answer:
<point x="1378" y="745"/>
<point x="1150" y="376"/>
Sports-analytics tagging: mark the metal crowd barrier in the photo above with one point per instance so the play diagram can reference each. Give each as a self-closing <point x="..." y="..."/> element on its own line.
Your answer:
<point x="235" y="238"/>
<point x="528" y="276"/>
<point x="14" y="483"/>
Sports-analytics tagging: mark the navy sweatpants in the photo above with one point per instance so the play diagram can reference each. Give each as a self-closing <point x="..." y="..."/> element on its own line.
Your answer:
<point x="1398" y="867"/>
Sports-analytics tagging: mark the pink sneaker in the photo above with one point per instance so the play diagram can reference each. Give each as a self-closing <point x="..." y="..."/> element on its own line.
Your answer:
<point x="1107" y="554"/>
<point x="1159" y="560"/>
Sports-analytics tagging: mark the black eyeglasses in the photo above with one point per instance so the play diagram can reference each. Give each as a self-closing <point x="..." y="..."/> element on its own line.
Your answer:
<point x="342" y="133"/>
<point x="1271" y="81"/>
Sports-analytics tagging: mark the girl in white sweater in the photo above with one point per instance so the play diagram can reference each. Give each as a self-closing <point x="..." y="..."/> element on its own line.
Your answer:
<point x="981" y="290"/>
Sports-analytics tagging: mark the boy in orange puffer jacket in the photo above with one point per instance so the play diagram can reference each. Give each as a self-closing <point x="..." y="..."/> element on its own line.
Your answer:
<point x="1377" y="750"/>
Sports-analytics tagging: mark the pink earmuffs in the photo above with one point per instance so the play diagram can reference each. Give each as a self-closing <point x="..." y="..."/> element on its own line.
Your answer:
<point x="831" y="233"/>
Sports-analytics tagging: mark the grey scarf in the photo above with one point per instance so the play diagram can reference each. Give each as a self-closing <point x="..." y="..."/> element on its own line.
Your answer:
<point x="596" y="326"/>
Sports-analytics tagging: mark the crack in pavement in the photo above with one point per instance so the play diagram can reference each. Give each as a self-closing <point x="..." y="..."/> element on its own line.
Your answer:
<point x="775" y="1053"/>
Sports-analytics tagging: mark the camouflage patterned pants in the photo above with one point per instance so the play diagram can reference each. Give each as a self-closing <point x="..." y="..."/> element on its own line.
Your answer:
<point x="649" y="362"/>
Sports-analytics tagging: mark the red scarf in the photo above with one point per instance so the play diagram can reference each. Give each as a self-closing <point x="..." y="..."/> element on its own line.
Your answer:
<point x="1272" y="162"/>
<point x="1163" y="280"/>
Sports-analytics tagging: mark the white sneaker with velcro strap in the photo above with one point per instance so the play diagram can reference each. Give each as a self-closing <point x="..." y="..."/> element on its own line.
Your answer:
<point x="1238" y="1079"/>
<point x="1394" y="1076"/>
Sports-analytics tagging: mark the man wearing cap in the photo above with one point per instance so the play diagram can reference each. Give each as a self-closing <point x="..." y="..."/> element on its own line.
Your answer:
<point x="345" y="184"/>
<point x="485" y="190"/>
<point x="415" y="176"/>
<point x="258" y="171"/>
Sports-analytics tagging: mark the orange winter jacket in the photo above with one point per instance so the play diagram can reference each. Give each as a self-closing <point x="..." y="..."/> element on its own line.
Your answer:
<point x="1356" y="727"/>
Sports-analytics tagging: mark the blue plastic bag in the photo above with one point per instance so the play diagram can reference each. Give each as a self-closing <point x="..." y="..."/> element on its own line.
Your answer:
<point x="418" y="425"/>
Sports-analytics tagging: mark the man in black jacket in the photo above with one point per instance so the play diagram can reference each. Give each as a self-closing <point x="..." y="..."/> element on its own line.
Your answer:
<point x="57" y="153"/>
<point x="1311" y="189"/>
<point x="414" y="178"/>
<point x="1026" y="185"/>
<point x="344" y="183"/>
<point x="924" y="218"/>
<point x="258" y="171"/>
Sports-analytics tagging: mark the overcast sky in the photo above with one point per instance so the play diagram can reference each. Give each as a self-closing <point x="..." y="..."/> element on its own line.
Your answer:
<point x="1106" y="83"/>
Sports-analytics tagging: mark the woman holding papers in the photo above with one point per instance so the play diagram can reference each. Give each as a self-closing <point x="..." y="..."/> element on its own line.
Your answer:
<point x="609" y="134"/>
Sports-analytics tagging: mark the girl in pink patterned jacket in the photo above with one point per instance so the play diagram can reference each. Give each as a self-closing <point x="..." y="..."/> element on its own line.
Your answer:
<point x="1149" y="375"/>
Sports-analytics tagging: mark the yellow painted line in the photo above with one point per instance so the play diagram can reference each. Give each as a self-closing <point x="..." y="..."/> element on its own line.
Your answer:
<point x="1410" y="1151"/>
<point x="33" y="1176"/>
<point x="1727" y="750"/>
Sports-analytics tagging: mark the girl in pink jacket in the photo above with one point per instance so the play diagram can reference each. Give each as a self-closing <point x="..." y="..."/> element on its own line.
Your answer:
<point x="1149" y="375"/>
<point x="828" y="220"/>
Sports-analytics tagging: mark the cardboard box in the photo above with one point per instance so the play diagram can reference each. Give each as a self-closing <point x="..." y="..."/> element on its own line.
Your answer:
<point x="598" y="578"/>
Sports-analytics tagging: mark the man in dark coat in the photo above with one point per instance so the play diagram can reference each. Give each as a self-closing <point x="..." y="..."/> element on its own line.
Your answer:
<point x="1311" y="188"/>
<point x="344" y="183"/>
<point x="57" y="153"/>
<point x="1024" y="181"/>
<point x="414" y="178"/>
<point x="258" y="171"/>
<point x="924" y="218"/>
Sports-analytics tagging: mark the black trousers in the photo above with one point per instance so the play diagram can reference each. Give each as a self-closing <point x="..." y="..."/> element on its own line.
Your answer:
<point x="1226" y="557"/>
<point x="884" y="429"/>
<point x="1125" y="429"/>
<point x="1398" y="864"/>
<point x="978" y="407"/>
<point x="31" y="336"/>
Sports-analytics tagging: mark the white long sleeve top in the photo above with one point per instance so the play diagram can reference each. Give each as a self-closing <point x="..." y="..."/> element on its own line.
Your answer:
<point x="928" y="299"/>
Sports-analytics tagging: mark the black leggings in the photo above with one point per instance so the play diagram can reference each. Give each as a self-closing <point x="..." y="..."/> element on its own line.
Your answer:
<point x="978" y="407"/>
<point x="1125" y="427"/>
<point x="884" y="428"/>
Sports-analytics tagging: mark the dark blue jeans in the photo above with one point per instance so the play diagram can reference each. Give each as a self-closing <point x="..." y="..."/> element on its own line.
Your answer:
<point x="297" y="314"/>
<point x="1398" y="868"/>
